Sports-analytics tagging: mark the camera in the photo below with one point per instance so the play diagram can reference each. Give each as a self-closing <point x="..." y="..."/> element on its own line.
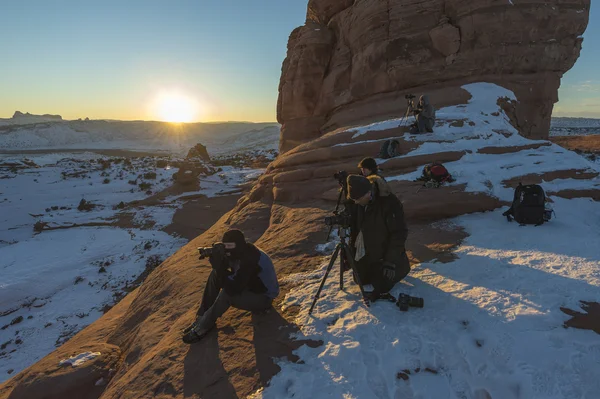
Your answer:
<point x="217" y="248"/>
<point x="410" y="96"/>
<point x="341" y="177"/>
<point x="343" y="219"/>
<point x="405" y="301"/>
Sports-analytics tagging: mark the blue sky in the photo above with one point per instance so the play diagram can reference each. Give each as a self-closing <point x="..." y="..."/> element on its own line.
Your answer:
<point x="579" y="94"/>
<point x="112" y="59"/>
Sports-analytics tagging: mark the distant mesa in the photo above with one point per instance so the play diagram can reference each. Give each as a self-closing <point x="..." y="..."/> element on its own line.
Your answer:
<point x="19" y="116"/>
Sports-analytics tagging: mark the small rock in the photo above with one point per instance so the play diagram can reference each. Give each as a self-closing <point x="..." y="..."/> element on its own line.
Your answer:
<point x="402" y="376"/>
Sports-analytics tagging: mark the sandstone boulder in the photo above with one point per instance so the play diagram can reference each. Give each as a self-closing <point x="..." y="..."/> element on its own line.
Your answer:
<point x="353" y="61"/>
<point x="198" y="151"/>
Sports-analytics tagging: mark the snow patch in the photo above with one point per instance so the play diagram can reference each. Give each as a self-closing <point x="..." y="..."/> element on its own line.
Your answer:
<point x="80" y="359"/>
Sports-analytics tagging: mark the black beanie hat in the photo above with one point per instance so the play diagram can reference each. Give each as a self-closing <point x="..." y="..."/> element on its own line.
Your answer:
<point x="358" y="186"/>
<point x="368" y="163"/>
<point x="235" y="236"/>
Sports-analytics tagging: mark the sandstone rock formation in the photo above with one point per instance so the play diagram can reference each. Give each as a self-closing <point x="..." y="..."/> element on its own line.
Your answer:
<point x="198" y="151"/>
<point x="353" y="61"/>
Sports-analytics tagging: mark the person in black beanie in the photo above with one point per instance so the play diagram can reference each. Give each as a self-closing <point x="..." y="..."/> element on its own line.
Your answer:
<point x="244" y="277"/>
<point x="369" y="169"/>
<point x="377" y="237"/>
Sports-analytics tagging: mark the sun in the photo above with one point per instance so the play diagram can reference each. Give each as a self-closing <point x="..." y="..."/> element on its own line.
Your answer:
<point x="175" y="107"/>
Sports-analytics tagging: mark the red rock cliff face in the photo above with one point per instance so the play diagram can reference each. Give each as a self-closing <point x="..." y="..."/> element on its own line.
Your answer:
<point x="353" y="61"/>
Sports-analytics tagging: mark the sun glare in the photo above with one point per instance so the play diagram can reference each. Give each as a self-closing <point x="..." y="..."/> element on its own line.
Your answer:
<point x="176" y="108"/>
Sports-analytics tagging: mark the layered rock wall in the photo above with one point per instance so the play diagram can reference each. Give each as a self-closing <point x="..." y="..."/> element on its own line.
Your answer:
<point x="353" y="61"/>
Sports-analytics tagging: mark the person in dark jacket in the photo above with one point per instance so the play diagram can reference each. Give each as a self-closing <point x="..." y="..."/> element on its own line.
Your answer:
<point x="378" y="237"/>
<point x="244" y="277"/>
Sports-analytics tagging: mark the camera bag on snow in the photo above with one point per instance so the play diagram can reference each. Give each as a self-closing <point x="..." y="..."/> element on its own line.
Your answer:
<point x="529" y="205"/>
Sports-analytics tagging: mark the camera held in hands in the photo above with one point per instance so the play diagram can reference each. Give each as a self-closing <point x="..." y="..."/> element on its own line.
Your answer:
<point x="410" y="96"/>
<point x="218" y="248"/>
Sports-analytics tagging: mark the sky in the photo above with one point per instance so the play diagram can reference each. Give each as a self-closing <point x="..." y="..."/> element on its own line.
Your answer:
<point x="579" y="93"/>
<point x="150" y="59"/>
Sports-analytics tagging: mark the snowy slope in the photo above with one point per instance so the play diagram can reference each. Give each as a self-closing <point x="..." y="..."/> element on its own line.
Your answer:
<point x="139" y="135"/>
<point x="574" y="126"/>
<point x="491" y="326"/>
<point x="54" y="283"/>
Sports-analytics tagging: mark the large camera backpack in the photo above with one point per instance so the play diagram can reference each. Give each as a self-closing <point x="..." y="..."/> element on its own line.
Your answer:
<point x="528" y="205"/>
<point x="389" y="149"/>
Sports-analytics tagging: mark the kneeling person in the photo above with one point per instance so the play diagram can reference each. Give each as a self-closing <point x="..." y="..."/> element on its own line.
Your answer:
<point x="378" y="236"/>
<point x="244" y="277"/>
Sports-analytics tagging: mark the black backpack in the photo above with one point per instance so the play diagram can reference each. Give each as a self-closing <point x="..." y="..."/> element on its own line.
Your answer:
<point x="389" y="149"/>
<point x="528" y="205"/>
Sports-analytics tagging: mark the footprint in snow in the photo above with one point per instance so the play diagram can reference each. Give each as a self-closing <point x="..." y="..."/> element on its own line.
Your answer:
<point x="375" y="377"/>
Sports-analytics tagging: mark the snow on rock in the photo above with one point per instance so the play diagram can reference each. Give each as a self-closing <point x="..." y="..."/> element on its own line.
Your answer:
<point x="491" y="321"/>
<point x="59" y="279"/>
<point x="492" y="325"/>
<point x="482" y="111"/>
<point x="80" y="359"/>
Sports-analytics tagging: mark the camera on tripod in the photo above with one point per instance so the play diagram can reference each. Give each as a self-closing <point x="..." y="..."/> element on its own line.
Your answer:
<point x="410" y="96"/>
<point x="341" y="177"/>
<point x="218" y="248"/>
<point x="343" y="220"/>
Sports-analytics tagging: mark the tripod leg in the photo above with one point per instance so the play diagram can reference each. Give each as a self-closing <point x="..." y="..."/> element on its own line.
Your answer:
<point x="346" y="249"/>
<point x="331" y="263"/>
<point x="343" y="257"/>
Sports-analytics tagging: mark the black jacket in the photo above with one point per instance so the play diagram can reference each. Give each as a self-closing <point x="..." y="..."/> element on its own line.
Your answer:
<point x="384" y="233"/>
<point x="247" y="277"/>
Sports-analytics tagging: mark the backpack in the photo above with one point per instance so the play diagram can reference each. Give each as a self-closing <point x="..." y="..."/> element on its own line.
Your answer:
<point x="434" y="175"/>
<point x="528" y="205"/>
<point x="389" y="149"/>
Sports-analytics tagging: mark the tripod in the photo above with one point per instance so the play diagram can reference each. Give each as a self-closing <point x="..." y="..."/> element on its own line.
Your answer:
<point x="343" y="250"/>
<point x="409" y="107"/>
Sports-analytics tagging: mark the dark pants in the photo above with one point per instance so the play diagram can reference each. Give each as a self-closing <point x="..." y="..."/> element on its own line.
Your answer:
<point x="216" y="301"/>
<point x="373" y="274"/>
<point x="420" y="126"/>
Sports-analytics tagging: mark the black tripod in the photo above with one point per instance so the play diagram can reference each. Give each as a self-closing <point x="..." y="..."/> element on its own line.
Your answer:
<point x="409" y="107"/>
<point x="343" y="250"/>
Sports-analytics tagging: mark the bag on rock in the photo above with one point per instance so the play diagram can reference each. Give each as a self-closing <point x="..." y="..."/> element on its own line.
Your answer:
<point x="389" y="149"/>
<point x="529" y="205"/>
<point x="435" y="174"/>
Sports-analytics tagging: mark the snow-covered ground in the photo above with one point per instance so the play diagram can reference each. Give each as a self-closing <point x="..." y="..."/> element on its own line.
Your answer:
<point x="491" y="326"/>
<point x="140" y="136"/>
<point x="56" y="281"/>
<point x="574" y="126"/>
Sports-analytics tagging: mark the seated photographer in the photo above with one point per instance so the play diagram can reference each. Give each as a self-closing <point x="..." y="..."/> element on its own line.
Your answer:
<point x="369" y="169"/>
<point x="425" y="115"/>
<point x="243" y="276"/>
<point x="378" y="237"/>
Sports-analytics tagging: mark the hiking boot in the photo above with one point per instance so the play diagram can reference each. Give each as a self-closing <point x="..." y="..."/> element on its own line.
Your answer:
<point x="193" y="335"/>
<point x="189" y="328"/>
